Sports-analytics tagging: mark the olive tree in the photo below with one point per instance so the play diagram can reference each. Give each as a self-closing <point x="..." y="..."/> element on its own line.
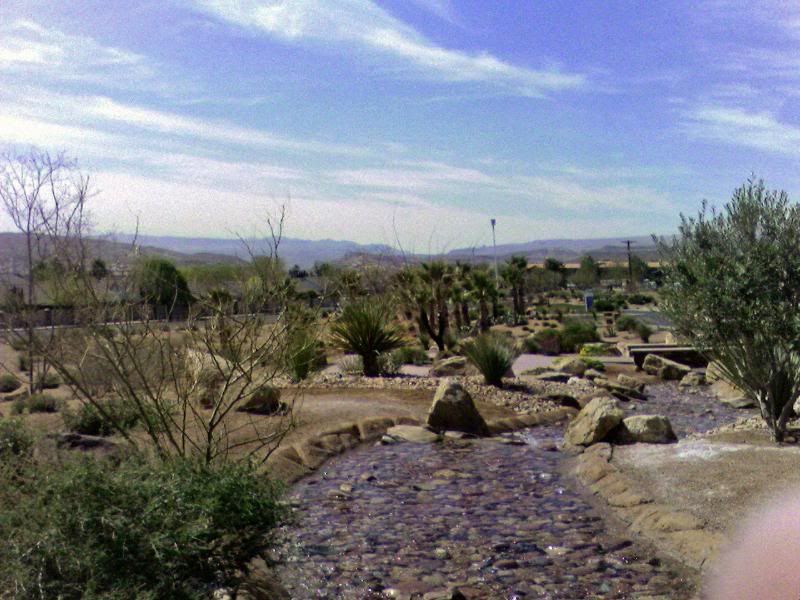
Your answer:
<point x="732" y="287"/>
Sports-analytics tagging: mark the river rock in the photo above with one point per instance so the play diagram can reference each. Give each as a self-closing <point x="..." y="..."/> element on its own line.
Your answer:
<point x="449" y="367"/>
<point x="666" y="369"/>
<point x="571" y="365"/>
<point x="648" y="429"/>
<point x="630" y="382"/>
<point x="553" y="377"/>
<point x="693" y="379"/>
<point x="412" y="433"/>
<point x="454" y="410"/>
<point x="620" y="391"/>
<point x="594" y="422"/>
<point x="731" y="395"/>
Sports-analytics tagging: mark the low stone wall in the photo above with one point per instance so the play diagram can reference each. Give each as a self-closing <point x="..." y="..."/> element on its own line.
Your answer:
<point x="677" y="533"/>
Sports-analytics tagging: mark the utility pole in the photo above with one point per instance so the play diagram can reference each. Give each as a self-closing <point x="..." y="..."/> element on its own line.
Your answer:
<point x="494" y="247"/>
<point x="630" y="267"/>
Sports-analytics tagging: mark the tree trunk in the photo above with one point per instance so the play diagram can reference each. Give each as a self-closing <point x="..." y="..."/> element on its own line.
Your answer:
<point x="484" y="315"/>
<point x="371" y="366"/>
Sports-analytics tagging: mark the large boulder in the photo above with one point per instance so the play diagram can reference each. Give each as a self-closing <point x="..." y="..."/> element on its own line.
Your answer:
<point x="664" y="368"/>
<point x="620" y="391"/>
<point x="731" y="395"/>
<point x="412" y="433"/>
<point x="570" y="365"/>
<point x="449" y="367"/>
<point x="454" y="410"/>
<point x="594" y="422"/>
<point x="648" y="429"/>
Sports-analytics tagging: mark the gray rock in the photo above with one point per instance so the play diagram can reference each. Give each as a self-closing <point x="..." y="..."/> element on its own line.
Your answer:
<point x="593" y="374"/>
<point x="594" y="422"/>
<point x="620" y="391"/>
<point x="453" y="409"/>
<point x="693" y="379"/>
<point x="553" y="376"/>
<point x="630" y="382"/>
<point x="648" y="429"/>
<point x="449" y="367"/>
<point x="412" y="433"/>
<point x="666" y="369"/>
<point x="738" y="402"/>
<point x="570" y="365"/>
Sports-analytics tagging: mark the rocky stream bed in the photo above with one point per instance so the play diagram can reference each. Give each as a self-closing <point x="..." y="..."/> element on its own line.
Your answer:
<point x="494" y="518"/>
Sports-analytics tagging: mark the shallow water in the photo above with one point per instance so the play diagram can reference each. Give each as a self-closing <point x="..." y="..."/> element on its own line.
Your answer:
<point x="494" y="519"/>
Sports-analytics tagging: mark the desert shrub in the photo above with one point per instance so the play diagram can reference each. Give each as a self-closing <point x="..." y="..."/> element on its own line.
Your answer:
<point x="88" y="420"/>
<point x="15" y="439"/>
<point x="608" y="302"/>
<point x="576" y="333"/>
<point x="425" y="340"/>
<point x="530" y="345"/>
<point x="48" y="381"/>
<point x="9" y="383"/>
<point x="42" y="403"/>
<point x="23" y="362"/>
<point x="594" y="349"/>
<point x="549" y="341"/>
<point x="92" y="529"/>
<point x="492" y="355"/>
<point x="352" y="365"/>
<point x="410" y="355"/>
<point x="365" y="328"/>
<point x="593" y="363"/>
<point x="644" y="331"/>
<point x="627" y="323"/>
<point x="640" y="299"/>
<point x="303" y="354"/>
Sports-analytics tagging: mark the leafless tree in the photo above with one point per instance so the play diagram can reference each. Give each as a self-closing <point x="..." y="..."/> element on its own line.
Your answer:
<point x="45" y="197"/>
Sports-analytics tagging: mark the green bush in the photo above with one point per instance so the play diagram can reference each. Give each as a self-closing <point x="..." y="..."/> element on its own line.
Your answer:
<point x="549" y="341"/>
<point x="304" y="354"/>
<point x="9" y="383"/>
<point x="644" y="331"/>
<point x="42" y="403"/>
<point x="410" y="355"/>
<point x="92" y="529"/>
<point x="595" y="349"/>
<point x="15" y="440"/>
<point x="49" y="381"/>
<point x="576" y="333"/>
<point x="640" y="299"/>
<point x="593" y="363"/>
<point x="88" y="420"/>
<point x="492" y="355"/>
<point x="530" y="345"/>
<point x="627" y="323"/>
<point x="352" y="365"/>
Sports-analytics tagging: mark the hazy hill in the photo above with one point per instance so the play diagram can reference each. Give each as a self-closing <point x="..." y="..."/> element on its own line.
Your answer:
<point x="293" y="251"/>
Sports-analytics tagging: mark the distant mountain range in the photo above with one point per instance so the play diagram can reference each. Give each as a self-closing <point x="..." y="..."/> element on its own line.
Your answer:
<point x="186" y="250"/>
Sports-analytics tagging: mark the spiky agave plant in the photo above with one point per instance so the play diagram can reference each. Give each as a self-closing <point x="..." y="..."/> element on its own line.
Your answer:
<point x="365" y="328"/>
<point x="492" y="355"/>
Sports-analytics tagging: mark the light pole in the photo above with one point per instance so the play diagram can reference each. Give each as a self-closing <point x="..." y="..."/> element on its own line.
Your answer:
<point x="494" y="251"/>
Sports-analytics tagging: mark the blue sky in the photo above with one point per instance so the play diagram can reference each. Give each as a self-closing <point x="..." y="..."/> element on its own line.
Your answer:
<point x="416" y="120"/>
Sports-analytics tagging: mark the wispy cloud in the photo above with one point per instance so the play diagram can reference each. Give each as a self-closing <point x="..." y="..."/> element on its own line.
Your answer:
<point x="31" y="50"/>
<point x="96" y="113"/>
<point x="368" y="26"/>
<point x="738" y="127"/>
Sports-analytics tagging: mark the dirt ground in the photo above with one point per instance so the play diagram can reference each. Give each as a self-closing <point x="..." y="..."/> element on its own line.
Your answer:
<point x="719" y="479"/>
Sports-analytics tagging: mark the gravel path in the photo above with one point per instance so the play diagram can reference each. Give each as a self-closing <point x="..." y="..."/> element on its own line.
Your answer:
<point x="495" y="520"/>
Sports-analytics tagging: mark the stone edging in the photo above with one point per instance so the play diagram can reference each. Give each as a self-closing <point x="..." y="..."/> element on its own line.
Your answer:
<point x="677" y="533"/>
<point x="292" y="462"/>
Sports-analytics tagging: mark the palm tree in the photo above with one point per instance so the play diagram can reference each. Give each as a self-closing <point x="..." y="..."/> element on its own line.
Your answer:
<point x="484" y="292"/>
<point x="514" y="272"/>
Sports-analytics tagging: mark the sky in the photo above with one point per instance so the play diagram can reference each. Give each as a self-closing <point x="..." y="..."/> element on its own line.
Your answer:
<point x="410" y="122"/>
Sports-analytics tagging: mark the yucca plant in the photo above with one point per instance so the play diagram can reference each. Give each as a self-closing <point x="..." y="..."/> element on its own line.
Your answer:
<point x="365" y="328"/>
<point x="492" y="355"/>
